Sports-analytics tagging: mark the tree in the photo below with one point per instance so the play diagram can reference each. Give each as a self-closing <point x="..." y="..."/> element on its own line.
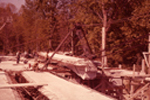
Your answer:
<point x="142" y="15"/>
<point x="6" y="13"/>
<point x="112" y="15"/>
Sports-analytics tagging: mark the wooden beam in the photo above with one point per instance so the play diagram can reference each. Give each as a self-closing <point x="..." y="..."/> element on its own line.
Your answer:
<point x="2" y="72"/>
<point x="104" y="57"/>
<point x="149" y="54"/>
<point x="21" y="85"/>
<point x="139" y="91"/>
<point x="84" y="68"/>
<point x="58" y="47"/>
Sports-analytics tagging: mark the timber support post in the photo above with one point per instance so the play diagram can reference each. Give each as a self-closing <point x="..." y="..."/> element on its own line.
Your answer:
<point x="104" y="57"/>
<point x="48" y="61"/>
<point x="149" y="52"/>
<point x="105" y="26"/>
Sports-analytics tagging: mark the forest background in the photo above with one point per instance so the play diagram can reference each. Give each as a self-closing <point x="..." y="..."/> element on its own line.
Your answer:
<point x="40" y="25"/>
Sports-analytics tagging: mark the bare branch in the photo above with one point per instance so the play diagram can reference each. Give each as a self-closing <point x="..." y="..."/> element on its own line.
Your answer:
<point x="2" y="26"/>
<point x="99" y="15"/>
<point x="129" y="18"/>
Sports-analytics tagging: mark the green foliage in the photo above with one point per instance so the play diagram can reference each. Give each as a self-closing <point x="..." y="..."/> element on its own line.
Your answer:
<point x="42" y="24"/>
<point x="125" y="38"/>
<point x="6" y="13"/>
<point x="36" y="23"/>
<point x="142" y="15"/>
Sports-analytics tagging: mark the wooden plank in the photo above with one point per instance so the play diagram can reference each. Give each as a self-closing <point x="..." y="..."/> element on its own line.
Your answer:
<point x="2" y="73"/>
<point x="60" y="89"/>
<point x="21" y="85"/>
<point x="7" y="93"/>
<point x="139" y="91"/>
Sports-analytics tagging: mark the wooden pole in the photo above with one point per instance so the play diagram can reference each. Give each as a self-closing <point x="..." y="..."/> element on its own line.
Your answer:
<point x="132" y="86"/>
<point x="133" y="71"/>
<point x="46" y="65"/>
<point x="131" y="90"/>
<point x="104" y="58"/>
<point x="83" y="40"/>
<point x="143" y="68"/>
<point x="72" y="43"/>
<point x="120" y="66"/>
<point x="59" y="45"/>
<point x="21" y="85"/>
<point x="139" y="91"/>
<point x="149" y="52"/>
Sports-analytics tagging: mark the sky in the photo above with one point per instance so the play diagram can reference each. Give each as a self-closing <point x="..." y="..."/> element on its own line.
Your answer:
<point x="17" y="3"/>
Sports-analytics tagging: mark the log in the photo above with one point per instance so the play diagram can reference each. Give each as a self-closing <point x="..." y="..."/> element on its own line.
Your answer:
<point x="21" y="85"/>
<point x="83" y="67"/>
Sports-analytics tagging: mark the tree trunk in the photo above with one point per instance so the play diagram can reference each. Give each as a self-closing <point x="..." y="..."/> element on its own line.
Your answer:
<point x="104" y="57"/>
<point x="17" y="42"/>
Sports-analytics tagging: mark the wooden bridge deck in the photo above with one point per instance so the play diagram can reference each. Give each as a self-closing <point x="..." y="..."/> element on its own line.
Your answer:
<point x="60" y="89"/>
<point x="6" y="93"/>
